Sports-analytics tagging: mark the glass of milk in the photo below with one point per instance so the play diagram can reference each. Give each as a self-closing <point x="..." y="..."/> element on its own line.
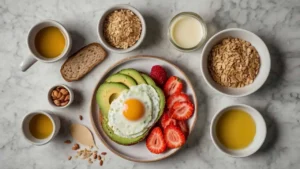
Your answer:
<point x="187" y="31"/>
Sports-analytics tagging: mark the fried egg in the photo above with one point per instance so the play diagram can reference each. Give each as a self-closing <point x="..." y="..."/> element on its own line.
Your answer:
<point x="134" y="111"/>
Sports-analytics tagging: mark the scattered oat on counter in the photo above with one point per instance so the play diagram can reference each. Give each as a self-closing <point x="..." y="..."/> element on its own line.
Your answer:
<point x="233" y="63"/>
<point x="70" y="157"/>
<point x="122" y="28"/>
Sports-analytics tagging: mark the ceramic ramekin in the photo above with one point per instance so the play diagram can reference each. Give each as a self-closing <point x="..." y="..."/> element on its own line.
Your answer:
<point x="101" y="23"/>
<point x="259" y="138"/>
<point x="265" y="62"/>
<point x="25" y="127"/>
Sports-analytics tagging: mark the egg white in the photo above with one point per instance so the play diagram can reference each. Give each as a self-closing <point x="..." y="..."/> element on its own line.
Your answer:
<point x="121" y="126"/>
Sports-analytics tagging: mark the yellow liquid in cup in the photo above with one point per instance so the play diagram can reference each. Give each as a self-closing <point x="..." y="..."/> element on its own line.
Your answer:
<point x="50" y="42"/>
<point x="235" y="129"/>
<point x="40" y="126"/>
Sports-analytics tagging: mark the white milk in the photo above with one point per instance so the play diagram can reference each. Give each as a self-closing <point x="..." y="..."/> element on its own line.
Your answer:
<point x="186" y="31"/>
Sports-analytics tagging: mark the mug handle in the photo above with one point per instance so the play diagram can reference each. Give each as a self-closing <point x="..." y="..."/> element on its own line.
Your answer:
<point x="27" y="62"/>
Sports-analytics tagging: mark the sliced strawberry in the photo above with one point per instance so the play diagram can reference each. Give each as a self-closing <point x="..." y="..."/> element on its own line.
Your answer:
<point x="174" y="137"/>
<point x="177" y="97"/>
<point x="167" y="120"/>
<point x="182" y="124"/>
<point x="173" y="85"/>
<point x="182" y="110"/>
<point x="155" y="141"/>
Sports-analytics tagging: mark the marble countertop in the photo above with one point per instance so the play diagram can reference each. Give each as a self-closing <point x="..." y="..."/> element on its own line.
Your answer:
<point x="277" y="22"/>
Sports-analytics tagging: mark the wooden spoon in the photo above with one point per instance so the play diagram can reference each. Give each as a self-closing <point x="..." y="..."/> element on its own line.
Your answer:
<point x="82" y="135"/>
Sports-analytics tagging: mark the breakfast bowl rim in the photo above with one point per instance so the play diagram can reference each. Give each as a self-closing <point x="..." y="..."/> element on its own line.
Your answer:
<point x="100" y="28"/>
<point x="70" y="92"/>
<point x="229" y="107"/>
<point x="250" y="91"/>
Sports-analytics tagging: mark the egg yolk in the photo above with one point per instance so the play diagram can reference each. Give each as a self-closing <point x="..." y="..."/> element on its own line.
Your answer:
<point x="133" y="109"/>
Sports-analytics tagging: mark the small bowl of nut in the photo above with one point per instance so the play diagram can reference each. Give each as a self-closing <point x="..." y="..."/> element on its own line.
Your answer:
<point x="121" y="28"/>
<point x="235" y="62"/>
<point x="60" y="96"/>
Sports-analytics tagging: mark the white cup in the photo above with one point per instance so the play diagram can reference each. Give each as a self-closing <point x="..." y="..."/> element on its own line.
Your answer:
<point x="31" y="59"/>
<point x="25" y="127"/>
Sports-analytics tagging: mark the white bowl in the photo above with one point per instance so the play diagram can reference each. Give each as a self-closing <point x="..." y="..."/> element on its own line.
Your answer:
<point x="100" y="28"/>
<point x="69" y="90"/>
<point x="265" y="62"/>
<point x="26" y="132"/>
<point x="259" y="138"/>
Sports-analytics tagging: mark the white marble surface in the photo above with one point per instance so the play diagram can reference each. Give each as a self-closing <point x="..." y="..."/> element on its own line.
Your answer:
<point x="277" y="22"/>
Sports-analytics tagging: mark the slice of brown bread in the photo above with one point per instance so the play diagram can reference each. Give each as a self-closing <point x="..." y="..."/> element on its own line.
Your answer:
<point x="82" y="62"/>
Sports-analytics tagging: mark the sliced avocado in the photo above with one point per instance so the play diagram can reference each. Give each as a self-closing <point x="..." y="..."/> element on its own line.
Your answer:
<point x="148" y="79"/>
<point x="103" y="97"/>
<point x="134" y="74"/>
<point x="105" y="92"/>
<point x="118" y="139"/>
<point x="162" y="101"/>
<point x="161" y="95"/>
<point x="111" y="89"/>
<point x="122" y="78"/>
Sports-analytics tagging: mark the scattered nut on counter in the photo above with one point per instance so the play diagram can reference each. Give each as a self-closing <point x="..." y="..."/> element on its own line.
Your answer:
<point x="75" y="147"/>
<point x="60" y="96"/>
<point x="68" y="142"/>
<point x="88" y="154"/>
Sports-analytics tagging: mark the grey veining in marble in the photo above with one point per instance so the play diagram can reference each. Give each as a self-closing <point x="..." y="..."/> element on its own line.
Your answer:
<point x="277" y="22"/>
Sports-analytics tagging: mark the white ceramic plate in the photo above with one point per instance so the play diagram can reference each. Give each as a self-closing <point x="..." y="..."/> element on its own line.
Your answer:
<point x="139" y="152"/>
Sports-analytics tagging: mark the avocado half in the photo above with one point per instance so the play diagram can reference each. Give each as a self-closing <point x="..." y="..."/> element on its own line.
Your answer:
<point x="113" y="88"/>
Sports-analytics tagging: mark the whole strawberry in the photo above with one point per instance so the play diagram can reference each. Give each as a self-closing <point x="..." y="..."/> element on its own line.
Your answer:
<point x="159" y="75"/>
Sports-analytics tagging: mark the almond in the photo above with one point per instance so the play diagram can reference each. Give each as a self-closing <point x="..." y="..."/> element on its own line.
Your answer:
<point x="62" y="98"/>
<point x="64" y="103"/>
<point x="75" y="147"/>
<point x="94" y="155"/>
<point x="59" y="95"/>
<point x="64" y="91"/>
<point x="57" y="102"/>
<point x="68" y="142"/>
<point x="67" y="98"/>
<point x="54" y="94"/>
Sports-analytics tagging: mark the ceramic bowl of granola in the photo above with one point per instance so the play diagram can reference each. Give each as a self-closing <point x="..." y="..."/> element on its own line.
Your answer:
<point x="121" y="28"/>
<point x="235" y="62"/>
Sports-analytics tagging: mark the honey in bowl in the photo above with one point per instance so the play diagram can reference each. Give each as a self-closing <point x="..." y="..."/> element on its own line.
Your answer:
<point x="50" y="42"/>
<point x="235" y="129"/>
<point x="40" y="126"/>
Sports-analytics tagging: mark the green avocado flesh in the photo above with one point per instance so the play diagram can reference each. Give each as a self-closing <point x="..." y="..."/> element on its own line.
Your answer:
<point x="121" y="78"/>
<point x="134" y="74"/>
<point x="162" y="101"/>
<point x="112" y="88"/>
<point x="105" y="92"/>
<point x="148" y="79"/>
